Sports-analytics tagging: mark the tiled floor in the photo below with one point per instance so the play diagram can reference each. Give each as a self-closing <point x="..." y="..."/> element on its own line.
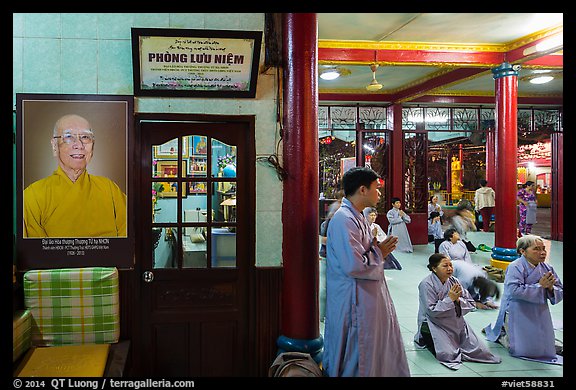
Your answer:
<point x="403" y="287"/>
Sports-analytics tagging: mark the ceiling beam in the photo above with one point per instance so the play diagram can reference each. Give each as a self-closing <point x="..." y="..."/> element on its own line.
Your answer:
<point x="523" y="100"/>
<point x="531" y="51"/>
<point x="409" y="57"/>
<point x="473" y="60"/>
<point x="437" y="99"/>
<point x="550" y="61"/>
<point x="442" y="81"/>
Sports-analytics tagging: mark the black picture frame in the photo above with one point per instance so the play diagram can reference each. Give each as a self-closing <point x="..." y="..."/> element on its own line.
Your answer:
<point x="195" y="63"/>
<point x="111" y="117"/>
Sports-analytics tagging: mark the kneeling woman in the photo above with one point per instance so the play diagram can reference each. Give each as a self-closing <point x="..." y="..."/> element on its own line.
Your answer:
<point x="524" y="324"/>
<point x="441" y="325"/>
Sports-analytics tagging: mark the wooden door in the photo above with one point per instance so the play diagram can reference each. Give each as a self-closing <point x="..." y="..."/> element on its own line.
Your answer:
<point x="194" y="248"/>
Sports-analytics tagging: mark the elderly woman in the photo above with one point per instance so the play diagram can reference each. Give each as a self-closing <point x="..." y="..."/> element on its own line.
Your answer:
<point x="441" y="325"/>
<point x="524" y="324"/>
<point x="454" y="247"/>
<point x="370" y="213"/>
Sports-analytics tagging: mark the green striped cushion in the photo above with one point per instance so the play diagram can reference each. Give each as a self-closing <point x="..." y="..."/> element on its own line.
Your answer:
<point x="21" y="325"/>
<point x="73" y="305"/>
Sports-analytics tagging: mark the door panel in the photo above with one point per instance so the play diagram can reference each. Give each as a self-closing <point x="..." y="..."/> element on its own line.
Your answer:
<point x="171" y="344"/>
<point x="218" y="337"/>
<point x="195" y="248"/>
<point x="179" y="295"/>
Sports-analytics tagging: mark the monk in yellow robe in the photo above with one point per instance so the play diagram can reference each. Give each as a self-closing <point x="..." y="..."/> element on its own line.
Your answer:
<point x="71" y="202"/>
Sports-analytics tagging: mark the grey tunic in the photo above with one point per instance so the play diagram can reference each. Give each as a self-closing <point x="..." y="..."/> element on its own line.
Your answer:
<point x="362" y="335"/>
<point x="456" y="251"/>
<point x="454" y="340"/>
<point x="398" y="228"/>
<point x="525" y="302"/>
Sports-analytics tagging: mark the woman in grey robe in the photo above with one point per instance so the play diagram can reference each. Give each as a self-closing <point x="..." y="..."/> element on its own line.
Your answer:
<point x="441" y="324"/>
<point x="524" y="324"/>
<point x="370" y="213"/>
<point x="397" y="227"/>
<point x="454" y="247"/>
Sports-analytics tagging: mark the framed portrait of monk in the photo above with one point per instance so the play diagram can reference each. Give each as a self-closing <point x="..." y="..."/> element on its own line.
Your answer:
<point x="73" y="181"/>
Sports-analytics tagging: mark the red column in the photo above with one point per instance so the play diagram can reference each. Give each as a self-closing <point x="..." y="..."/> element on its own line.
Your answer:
<point x="490" y="158"/>
<point x="506" y="85"/>
<point x="300" y="196"/>
<point x="449" y="173"/>
<point x="461" y="158"/>
<point x="557" y="186"/>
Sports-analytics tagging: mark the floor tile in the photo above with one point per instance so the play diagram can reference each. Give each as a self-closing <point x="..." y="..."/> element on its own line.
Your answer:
<point x="403" y="286"/>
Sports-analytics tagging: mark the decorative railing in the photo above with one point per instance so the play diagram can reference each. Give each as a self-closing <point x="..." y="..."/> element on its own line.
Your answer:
<point x="450" y="199"/>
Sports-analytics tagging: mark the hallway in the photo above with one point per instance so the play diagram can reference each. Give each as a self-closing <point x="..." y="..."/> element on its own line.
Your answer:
<point x="542" y="227"/>
<point x="403" y="287"/>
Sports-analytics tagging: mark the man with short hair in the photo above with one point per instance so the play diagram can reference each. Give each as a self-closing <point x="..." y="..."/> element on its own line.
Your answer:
<point x="362" y="335"/>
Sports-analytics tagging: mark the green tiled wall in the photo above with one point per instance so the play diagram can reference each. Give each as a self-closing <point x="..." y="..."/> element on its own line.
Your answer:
<point x="68" y="53"/>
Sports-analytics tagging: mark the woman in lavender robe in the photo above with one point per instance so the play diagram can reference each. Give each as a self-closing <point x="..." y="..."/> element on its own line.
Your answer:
<point x="454" y="247"/>
<point x="441" y="324"/>
<point x="362" y="334"/>
<point x="435" y="233"/>
<point x="397" y="227"/>
<point x="524" y="324"/>
<point x="433" y="205"/>
<point x="434" y="227"/>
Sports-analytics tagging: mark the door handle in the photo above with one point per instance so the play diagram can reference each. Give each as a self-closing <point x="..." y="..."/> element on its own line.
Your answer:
<point x="148" y="276"/>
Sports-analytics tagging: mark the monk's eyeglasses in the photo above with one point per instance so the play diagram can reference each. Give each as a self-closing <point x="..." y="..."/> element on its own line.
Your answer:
<point x="86" y="138"/>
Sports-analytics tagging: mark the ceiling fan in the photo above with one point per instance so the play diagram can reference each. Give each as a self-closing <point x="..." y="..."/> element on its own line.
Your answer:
<point x="374" y="84"/>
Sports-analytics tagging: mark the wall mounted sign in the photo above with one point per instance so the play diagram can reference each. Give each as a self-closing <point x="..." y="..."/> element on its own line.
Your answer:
<point x="195" y="63"/>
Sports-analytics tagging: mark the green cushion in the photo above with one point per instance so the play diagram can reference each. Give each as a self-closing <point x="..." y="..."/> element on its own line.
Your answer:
<point x="73" y="305"/>
<point x="21" y="337"/>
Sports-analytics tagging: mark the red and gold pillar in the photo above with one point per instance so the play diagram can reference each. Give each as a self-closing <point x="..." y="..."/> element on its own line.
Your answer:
<point x="506" y="110"/>
<point x="300" y="317"/>
<point x="461" y="158"/>
<point x="558" y="186"/>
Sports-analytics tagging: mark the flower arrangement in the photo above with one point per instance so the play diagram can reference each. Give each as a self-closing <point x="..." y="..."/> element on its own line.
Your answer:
<point x="228" y="159"/>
